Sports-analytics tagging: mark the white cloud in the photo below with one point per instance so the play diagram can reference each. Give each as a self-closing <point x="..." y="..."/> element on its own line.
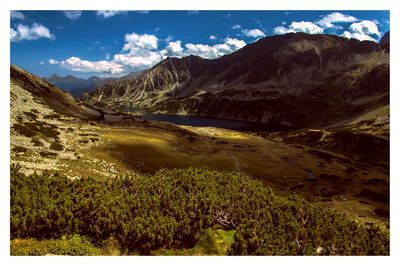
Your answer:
<point x="53" y="62"/>
<point x="73" y="14"/>
<point x="35" y="32"/>
<point x="16" y="15"/>
<point x="302" y="26"/>
<point x="138" y="62"/>
<point x="13" y="34"/>
<point x="173" y="49"/>
<point x="141" y="52"/>
<point x="109" y="13"/>
<point x="362" y="31"/>
<point x="41" y="62"/>
<point x="212" y="37"/>
<point x="76" y="64"/>
<point x="136" y="41"/>
<point x="235" y="44"/>
<point x="202" y="50"/>
<point x="358" y="36"/>
<point x="365" y="27"/>
<point x="335" y="17"/>
<point x="206" y="51"/>
<point x="282" y="30"/>
<point x="254" y="33"/>
<point x="307" y="27"/>
<point x="236" y="27"/>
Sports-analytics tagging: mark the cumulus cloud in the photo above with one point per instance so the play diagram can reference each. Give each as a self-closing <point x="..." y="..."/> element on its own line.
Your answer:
<point x="236" y="27"/>
<point x="76" y="64"/>
<point x="363" y="30"/>
<point x="254" y="33"/>
<point x="73" y="14"/>
<point x="366" y="27"/>
<point x="109" y="13"/>
<point x="206" y="51"/>
<point x="336" y="17"/>
<point x="212" y="37"/>
<point x="302" y="26"/>
<point x="358" y="36"/>
<point x="135" y="41"/>
<point x="138" y="62"/>
<point x="282" y="30"/>
<point x="173" y="49"/>
<point x="35" y="32"/>
<point x="141" y="51"/>
<point x="53" y="62"/>
<point x="16" y="15"/>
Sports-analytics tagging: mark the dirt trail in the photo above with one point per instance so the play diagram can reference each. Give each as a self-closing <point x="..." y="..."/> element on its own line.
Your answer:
<point x="234" y="158"/>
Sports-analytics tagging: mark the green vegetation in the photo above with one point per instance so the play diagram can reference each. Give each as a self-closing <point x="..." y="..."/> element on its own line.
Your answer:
<point x="212" y="242"/>
<point x="36" y="128"/>
<point x="19" y="149"/>
<point x="47" y="153"/>
<point x="173" y="209"/>
<point x="56" y="146"/>
<point x="76" y="245"/>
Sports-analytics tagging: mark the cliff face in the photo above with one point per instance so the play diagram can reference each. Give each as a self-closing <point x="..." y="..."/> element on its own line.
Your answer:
<point x="294" y="79"/>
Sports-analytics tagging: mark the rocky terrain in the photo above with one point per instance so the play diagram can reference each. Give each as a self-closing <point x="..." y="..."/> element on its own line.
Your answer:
<point x="343" y="166"/>
<point x="296" y="80"/>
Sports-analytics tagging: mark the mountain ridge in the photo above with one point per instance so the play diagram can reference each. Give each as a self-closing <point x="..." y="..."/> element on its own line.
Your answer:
<point x="261" y="82"/>
<point x="74" y="85"/>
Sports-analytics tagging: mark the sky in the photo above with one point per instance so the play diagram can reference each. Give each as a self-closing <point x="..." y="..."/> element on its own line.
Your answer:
<point x="115" y="43"/>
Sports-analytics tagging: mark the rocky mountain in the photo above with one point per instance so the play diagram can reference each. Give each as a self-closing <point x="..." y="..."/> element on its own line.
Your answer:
<point x="296" y="79"/>
<point x="385" y="38"/>
<point x="76" y="86"/>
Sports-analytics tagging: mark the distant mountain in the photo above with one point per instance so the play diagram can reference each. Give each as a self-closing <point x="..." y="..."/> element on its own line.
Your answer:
<point x="296" y="79"/>
<point x="76" y="86"/>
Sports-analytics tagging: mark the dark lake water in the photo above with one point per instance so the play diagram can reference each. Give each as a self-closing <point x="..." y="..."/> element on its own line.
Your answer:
<point x="200" y="121"/>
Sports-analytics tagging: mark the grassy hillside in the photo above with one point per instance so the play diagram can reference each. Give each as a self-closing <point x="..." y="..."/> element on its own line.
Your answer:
<point x="173" y="211"/>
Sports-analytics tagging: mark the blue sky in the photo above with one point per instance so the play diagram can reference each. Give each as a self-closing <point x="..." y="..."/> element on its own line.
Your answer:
<point x="113" y="43"/>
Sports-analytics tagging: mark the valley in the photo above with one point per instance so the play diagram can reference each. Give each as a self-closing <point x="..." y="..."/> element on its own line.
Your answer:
<point x="292" y="162"/>
<point x="315" y="132"/>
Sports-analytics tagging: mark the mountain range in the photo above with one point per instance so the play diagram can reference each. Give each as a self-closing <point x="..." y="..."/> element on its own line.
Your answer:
<point x="76" y="86"/>
<point x="333" y="93"/>
<point x="295" y="79"/>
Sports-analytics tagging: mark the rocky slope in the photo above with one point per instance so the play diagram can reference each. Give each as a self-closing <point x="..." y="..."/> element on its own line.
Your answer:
<point x="51" y="130"/>
<point x="295" y="79"/>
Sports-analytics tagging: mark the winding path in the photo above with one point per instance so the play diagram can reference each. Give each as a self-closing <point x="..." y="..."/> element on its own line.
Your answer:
<point x="234" y="158"/>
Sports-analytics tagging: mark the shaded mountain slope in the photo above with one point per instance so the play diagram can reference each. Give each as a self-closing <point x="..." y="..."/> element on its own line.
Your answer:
<point x="295" y="79"/>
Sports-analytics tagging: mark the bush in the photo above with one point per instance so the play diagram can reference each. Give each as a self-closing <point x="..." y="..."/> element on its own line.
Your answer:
<point x="56" y="146"/>
<point x="171" y="209"/>
<point x="74" y="246"/>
